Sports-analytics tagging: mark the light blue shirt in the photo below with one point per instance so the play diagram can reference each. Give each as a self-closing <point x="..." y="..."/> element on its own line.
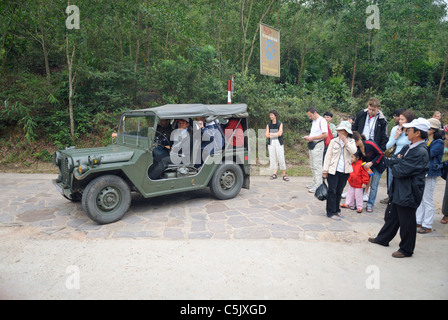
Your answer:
<point x="400" y="142"/>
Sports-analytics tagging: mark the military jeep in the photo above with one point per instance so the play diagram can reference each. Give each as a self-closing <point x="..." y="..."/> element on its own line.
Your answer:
<point x="103" y="178"/>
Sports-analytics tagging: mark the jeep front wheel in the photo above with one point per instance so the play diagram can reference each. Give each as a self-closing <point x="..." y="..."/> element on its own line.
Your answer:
<point x="227" y="181"/>
<point x="106" y="199"/>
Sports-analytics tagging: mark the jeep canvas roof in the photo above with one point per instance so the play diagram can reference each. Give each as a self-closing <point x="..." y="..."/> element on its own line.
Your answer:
<point x="176" y="111"/>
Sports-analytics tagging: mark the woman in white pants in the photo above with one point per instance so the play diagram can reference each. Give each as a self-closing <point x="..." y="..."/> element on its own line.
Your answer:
<point x="274" y="132"/>
<point x="425" y="212"/>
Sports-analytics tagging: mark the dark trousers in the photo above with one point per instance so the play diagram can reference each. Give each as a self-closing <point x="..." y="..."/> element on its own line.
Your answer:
<point x="403" y="218"/>
<point x="445" y="200"/>
<point x="336" y="184"/>
<point x="157" y="168"/>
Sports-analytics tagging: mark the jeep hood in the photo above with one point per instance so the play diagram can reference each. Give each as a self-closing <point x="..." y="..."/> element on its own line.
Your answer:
<point x="110" y="154"/>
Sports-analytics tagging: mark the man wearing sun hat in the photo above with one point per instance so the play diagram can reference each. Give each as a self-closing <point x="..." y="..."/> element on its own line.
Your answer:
<point x="409" y="168"/>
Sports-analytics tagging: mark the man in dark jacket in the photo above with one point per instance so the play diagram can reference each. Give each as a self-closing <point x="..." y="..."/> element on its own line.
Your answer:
<point x="409" y="168"/>
<point x="372" y="123"/>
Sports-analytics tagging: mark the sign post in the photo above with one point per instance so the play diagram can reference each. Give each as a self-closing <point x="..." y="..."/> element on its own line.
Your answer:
<point x="269" y="51"/>
<point x="231" y="86"/>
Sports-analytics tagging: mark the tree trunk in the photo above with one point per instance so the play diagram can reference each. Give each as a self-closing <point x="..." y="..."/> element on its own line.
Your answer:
<point x="255" y="35"/>
<point x="406" y="61"/>
<point x="71" y="91"/>
<point x="442" y="79"/>
<point x="44" y="47"/>
<point x="355" y="62"/>
<point x="71" y="81"/>
<point x="244" y="28"/>
<point x="137" y="49"/>
<point x="302" y="65"/>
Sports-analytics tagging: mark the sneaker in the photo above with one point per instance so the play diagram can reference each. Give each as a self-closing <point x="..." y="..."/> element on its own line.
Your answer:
<point x="365" y="197"/>
<point x="312" y="190"/>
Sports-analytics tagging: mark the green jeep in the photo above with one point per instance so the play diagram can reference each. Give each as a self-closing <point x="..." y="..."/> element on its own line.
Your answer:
<point x="103" y="178"/>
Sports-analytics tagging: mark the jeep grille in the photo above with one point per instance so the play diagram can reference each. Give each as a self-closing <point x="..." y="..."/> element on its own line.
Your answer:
<point x="65" y="171"/>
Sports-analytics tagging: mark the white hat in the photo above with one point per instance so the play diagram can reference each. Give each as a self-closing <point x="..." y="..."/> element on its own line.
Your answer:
<point x="345" y="125"/>
<point x="435" y="124"/>
<point x="419" y="124"/>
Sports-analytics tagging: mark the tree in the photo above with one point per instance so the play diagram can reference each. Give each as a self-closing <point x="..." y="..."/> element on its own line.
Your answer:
<point x="442" y="79"/>
<point x="305" y="49"/>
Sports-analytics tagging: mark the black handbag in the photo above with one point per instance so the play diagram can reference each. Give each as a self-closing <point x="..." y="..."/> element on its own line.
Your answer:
<point x="444" y="170"/>
<point x="313" y="144"/>
<point x="322" y="192"/>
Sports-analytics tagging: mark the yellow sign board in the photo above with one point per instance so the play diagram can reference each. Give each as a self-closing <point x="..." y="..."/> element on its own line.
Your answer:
<point x="269" y="51"/>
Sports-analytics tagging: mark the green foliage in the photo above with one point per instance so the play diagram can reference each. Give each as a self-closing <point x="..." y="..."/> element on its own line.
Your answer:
<point x="21" y="115"/>
<point x="139" y="54"/>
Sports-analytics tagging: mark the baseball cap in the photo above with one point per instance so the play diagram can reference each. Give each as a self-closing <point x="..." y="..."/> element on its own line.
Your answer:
<point x="419" y="124"/>
<point x="434" y="123"/>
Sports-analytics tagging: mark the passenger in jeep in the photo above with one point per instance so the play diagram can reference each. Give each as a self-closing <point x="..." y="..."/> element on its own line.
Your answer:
<point x="180" y="150"/>
<point x="212" y="140"/>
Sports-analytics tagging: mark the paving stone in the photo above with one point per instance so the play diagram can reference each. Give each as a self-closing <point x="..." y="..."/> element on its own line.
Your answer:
<point x="4" y="218"/>
<point x="36" y="215"/>
<point x="200" y="235"/>
<point x="216" y="226"/>
<point x="173" y="233"/>
<point x="134" y="234"/>
<point x="197" y="226"/>
<point x="252" y="233"/>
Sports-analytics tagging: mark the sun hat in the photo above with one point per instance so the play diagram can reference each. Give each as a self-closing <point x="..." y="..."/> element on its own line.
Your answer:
<point x="419" y="124"/>
<point x="345" y="125"/>
<point x="434" y="123"/>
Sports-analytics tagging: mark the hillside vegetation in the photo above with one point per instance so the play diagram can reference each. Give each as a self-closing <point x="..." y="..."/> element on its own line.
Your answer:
<point x="61" y="85"/>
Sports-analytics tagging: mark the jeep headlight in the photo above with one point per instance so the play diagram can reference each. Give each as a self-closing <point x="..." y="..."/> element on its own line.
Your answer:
<point x="94" y="161"/>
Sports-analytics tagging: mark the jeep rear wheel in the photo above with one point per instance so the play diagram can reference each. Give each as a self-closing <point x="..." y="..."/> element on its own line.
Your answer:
<point x="227" y="181"/>
<point x="106" y="199"/>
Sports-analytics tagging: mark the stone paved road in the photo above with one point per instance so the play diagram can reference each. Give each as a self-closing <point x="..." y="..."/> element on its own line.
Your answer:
<point x="270" y="209"/>
<point x="271" y="242"/>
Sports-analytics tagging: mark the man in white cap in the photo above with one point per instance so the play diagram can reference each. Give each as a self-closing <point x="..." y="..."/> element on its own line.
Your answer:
<point x="409" y="168"/>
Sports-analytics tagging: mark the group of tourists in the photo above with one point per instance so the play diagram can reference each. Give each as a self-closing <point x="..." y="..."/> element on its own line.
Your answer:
<point x="358" y="151"/>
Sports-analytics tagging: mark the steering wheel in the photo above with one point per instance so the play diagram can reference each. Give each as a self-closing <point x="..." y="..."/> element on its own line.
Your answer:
<point x="159" y="136"/>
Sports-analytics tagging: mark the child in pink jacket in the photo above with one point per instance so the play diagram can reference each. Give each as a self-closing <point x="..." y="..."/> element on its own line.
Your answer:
<point x="357" y="181"/>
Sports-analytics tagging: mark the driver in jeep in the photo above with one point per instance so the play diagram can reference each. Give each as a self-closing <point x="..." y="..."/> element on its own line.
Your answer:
<point x="162" y="140"/>
<point x="180" y="150"/>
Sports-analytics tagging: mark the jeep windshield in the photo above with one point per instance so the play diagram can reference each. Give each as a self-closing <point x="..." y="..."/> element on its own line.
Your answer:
<point x="134" y="129"/>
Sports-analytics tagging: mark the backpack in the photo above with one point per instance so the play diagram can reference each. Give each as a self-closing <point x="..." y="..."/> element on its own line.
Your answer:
<point x="329" y="137"/>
